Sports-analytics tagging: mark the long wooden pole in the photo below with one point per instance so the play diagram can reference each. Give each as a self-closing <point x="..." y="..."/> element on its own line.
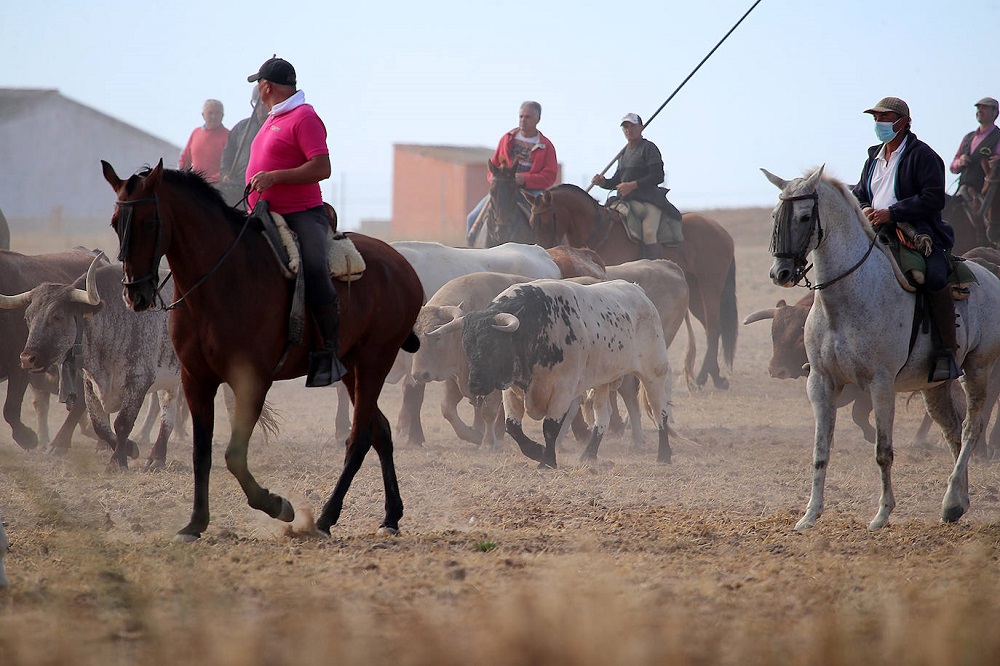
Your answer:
<point x="650" y="119"/>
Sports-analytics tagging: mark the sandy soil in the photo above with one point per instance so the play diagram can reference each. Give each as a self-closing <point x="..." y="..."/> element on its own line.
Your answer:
<point x="622" y="561"/>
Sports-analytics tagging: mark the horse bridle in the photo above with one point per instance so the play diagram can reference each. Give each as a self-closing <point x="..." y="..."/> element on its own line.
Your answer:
<point x="125" y="226"/>
<point x="125" y="221"/>
<point x="780" y="241"/>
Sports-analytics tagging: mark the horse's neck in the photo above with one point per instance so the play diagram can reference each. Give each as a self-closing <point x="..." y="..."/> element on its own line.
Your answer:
<point x="837" y="258"/>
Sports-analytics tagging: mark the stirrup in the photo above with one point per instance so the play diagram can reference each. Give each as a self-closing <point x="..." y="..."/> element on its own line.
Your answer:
<point x="324" y="369"/>
<point x="944" y="368"/>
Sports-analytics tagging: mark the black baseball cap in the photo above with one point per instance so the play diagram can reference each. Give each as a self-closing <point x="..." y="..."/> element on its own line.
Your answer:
<point x="275" y="70"/>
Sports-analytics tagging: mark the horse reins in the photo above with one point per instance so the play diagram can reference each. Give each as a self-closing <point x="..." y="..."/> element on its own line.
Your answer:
<point x="126" y="237"/>
<point x="780" y="242"/>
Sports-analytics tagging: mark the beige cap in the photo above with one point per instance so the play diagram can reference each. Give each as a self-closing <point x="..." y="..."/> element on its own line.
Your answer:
<point x="631" y="118"/>
<point x="890" y="104"/>
<point x="988" y="101"/>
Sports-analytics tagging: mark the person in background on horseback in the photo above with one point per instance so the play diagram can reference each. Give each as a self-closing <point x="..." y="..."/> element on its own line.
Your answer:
<point x="236" y="154"/>
<point x="288" y="158"/>
<point x="902" y="185"/>
<point x="984" y="142"/>
<point x="637" y="179"/>
<point x="530" y="150"/>
<point x="203" y="149"/>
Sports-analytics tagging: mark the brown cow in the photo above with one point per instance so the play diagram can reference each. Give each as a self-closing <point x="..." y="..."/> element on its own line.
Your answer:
<point x="578" y="262"/>
<point x="788" y="361"/>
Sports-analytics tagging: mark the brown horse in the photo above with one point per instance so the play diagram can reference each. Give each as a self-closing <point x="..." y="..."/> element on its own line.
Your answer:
<point x="230" y="324"/>
<point x="706" y="256"/>
<point x="969" y="232"/>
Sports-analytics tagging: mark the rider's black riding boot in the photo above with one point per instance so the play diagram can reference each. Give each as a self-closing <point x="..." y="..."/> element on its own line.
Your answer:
<point x="324" y="364"/>
<point x="942" y="309"/>
<point x="652" y="251"/>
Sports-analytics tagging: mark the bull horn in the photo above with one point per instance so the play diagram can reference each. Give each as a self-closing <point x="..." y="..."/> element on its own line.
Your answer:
<point x="506" y="322"/>
<point x="757" y="316"/>
<point x="90" y="296"/>
<point x="14" y="302"/>
<point x="444" y="328"/>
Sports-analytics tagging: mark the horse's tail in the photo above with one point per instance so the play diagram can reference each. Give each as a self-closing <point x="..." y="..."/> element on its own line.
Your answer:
<point x="412" y="343"/>
<point x="729" y="317"/>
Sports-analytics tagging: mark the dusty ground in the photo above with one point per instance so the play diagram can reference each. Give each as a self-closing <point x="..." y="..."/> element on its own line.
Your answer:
<point x="624" y="561"/>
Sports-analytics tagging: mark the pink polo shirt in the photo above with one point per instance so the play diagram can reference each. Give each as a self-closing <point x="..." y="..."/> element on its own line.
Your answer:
<point x="286" y="141"/>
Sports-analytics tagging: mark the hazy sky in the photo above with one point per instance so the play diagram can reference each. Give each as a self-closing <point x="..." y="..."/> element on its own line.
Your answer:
<point x="786" y="91"/>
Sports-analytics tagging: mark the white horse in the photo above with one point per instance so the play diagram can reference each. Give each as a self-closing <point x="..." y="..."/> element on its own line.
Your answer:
<point x="859" y="329"/>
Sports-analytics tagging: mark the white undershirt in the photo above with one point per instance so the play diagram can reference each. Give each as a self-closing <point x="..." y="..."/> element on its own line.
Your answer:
<point x="883" y="180"/>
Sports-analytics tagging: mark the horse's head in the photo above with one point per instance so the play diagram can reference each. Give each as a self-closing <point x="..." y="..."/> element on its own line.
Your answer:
<point x="505" y="194"/>
<point x="141" y="234"/>
<point x="549" y="226"/>
<point x="797" y="229"/>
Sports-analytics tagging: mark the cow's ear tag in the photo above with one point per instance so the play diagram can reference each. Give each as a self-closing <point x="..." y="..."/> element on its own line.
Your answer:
<point x="88" y="315"/>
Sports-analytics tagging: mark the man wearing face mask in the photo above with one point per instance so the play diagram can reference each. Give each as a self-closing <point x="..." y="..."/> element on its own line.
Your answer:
<point x="902" y="185"/>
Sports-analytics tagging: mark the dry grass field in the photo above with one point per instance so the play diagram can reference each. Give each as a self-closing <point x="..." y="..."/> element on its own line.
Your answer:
<point x="621" y="562"/>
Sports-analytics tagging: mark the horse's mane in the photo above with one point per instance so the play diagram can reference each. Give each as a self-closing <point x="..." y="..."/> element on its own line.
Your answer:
<point x="849" y="199"/>
<point x="575" y="189"/>
<point x="195" y="184"/>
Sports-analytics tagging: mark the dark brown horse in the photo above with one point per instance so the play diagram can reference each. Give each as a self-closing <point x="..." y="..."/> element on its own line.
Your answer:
<point x="506" y="222"/>
<point x="231" y="325"/>
<point x="969" y="231"/>
<point x="706" y="256"/>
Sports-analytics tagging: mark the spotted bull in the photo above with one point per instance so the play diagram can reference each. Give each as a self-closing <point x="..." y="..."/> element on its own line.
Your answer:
<point x="20" y="272"/>
<point x="556" y="340"/>
<point x="122" y="354"/>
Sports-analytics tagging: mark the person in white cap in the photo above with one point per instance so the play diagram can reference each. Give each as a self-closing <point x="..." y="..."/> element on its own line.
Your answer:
<point x="902" y="181"/>
<point x="979" y="146"/>
<point x="637" y="180"/>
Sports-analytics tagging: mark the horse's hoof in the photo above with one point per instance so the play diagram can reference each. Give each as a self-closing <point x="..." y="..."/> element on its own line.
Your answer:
<point x="387" y="531"/>
<point x="181" y="537"/>
<point x="133" y="449"/>
<point x="721" y="383"/>
<point x="663" y="459"/>
<point x="951" y="514"/>
<point x="287" y="513"/>
<point x="805" y="523"/>
<point x="154" y="465"/>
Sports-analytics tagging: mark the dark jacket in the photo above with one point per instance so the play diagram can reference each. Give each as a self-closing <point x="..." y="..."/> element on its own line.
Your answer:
<point x="919" y="190"/>
<point x="643" y="164"/>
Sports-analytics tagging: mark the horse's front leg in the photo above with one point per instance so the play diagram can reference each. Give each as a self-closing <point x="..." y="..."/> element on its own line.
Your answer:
<point x="883" y="394"/>
<point x="823" y="397"/>
<point x="201" y="404"/>
<point x="249" y="403"/>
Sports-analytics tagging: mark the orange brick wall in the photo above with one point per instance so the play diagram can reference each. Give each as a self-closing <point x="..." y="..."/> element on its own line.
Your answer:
<point x="431" y="198"/>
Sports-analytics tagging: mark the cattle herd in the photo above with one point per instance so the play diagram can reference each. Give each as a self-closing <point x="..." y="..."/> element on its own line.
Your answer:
<point x="515" y="330"/>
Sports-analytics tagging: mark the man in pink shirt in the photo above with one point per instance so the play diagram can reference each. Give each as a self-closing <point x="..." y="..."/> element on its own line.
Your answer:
<point x="984" y="142"/>
<point x="288" y="159"/>
<point x="203" y="152"/>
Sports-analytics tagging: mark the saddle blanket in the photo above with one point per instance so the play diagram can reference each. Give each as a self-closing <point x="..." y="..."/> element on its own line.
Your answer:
<point x="345" y="262"/>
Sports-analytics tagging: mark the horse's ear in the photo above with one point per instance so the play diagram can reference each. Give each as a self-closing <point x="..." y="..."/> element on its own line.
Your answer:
<point x="492" y="167"/>
<point x="530" y="198"/>
<point x="778" y="182"/>
<point x="546" y="197"/>
<point x="109" y="175"/>
<point x="813" y="179"/>
<point x="154" y="177"/>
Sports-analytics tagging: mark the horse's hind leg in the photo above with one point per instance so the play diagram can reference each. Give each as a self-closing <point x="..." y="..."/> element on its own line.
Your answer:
<point x="249" y="403"/>
<point x="382" y="443"/>
<point x="956" y="498"/>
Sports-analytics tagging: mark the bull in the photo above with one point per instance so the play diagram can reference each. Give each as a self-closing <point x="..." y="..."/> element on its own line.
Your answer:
<point x="18" y="273"/>
<point x="122" y="355"/>
<point x="556" y="340"/>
